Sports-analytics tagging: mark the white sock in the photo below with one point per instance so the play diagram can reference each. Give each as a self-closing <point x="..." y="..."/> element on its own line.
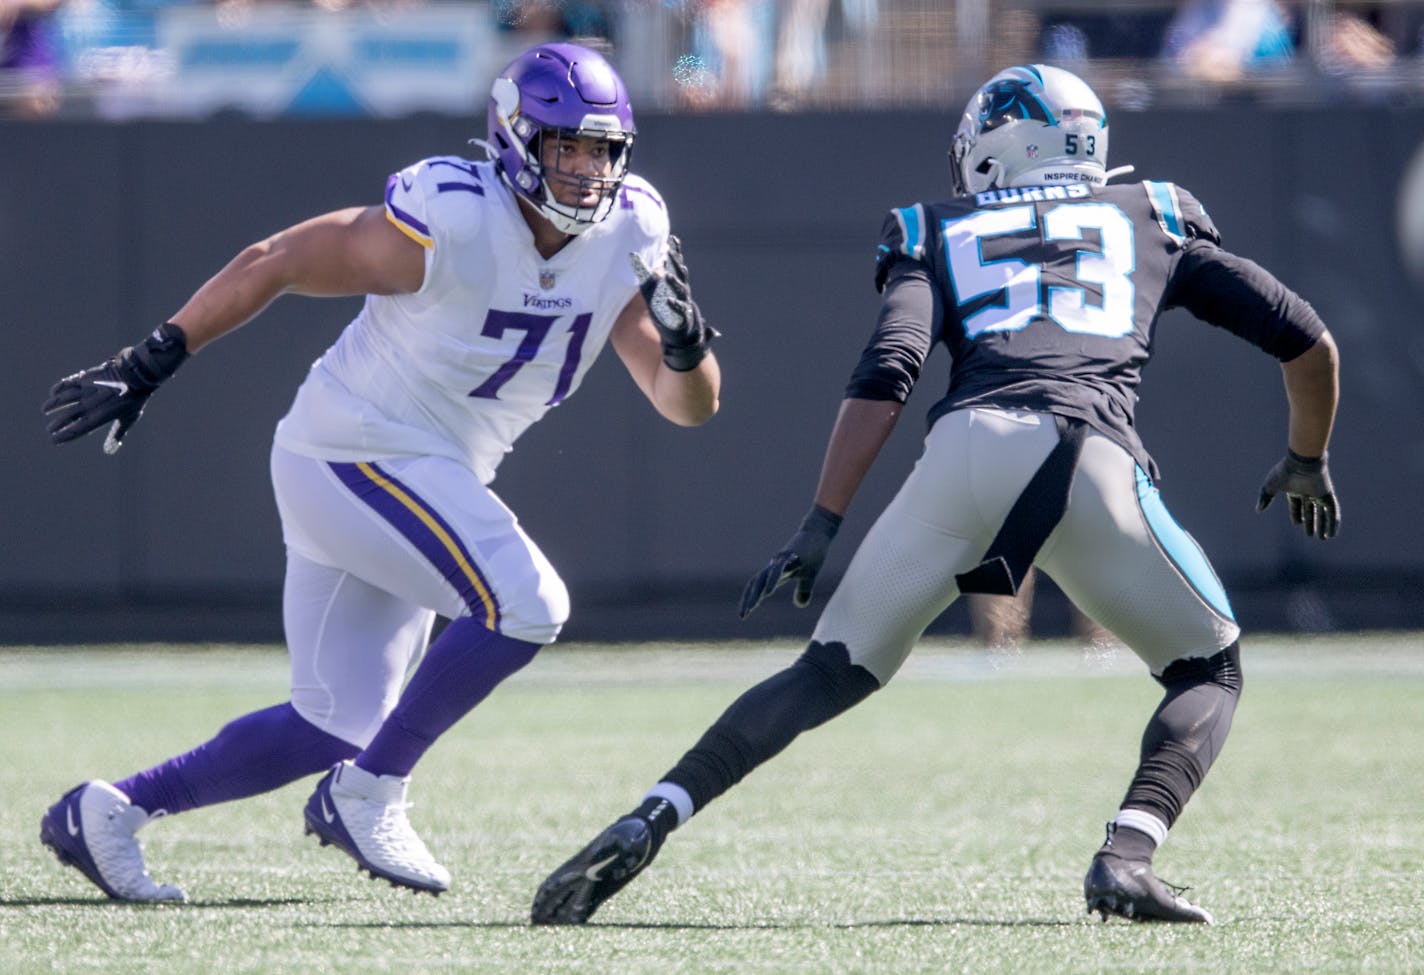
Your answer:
<point x="1143" y="822"/>
<point x="675" y="794"/>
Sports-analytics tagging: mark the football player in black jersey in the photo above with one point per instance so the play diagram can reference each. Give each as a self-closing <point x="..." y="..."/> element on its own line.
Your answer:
<point x="1044" y="281"/>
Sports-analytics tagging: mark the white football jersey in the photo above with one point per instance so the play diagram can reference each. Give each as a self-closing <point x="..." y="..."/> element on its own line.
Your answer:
<point x="494" y="338"/>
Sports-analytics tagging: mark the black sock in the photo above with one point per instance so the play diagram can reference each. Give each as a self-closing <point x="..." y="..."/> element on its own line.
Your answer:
<point x="1186" y="732"/>
<point x="821" y="684"/>
<point x="1128" y="843"/>
<point x="661" y="817"/>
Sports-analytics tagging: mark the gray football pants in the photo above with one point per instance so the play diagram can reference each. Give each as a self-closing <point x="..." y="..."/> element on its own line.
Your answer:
<point x="1117" y="553"/>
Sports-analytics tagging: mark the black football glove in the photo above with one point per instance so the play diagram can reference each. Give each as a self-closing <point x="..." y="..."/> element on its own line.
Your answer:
<point x="115" y="391"/>
<point x="685" y="334"/>
<point x="800" y="558"/>
<point x="1306" y="483"/>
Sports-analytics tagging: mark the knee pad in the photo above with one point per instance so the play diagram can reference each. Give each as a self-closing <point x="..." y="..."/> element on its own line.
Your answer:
<point x="538" y="615"/>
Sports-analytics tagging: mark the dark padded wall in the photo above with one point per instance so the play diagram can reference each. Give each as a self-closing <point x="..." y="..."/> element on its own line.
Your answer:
<point x="105" y="230"/>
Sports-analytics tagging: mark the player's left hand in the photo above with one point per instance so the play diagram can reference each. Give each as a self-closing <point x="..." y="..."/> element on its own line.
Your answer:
<point x="1306" y="484"/>
<point x="800" y="558"/>
<point x="684" y="332"/>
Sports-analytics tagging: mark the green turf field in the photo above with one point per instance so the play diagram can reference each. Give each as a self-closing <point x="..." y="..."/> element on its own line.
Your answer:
<point x="943" y="826"/>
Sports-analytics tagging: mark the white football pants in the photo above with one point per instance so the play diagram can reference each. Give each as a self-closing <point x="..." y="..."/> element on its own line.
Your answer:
<point x="1117" y="553"/>
<point x="374" y="551"/>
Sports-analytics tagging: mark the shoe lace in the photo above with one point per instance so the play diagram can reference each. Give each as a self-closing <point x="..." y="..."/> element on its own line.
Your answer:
<point x="393" y="830"/>
<point x="1176" y="889"/>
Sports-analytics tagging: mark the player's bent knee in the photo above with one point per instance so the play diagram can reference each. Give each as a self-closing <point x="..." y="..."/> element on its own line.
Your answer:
<point x="845" y="684"/>
<point x="1222" y="668"/>
<point x="355" y="725"/>
<point x="540" y="628"/>
<point x="543" y="635"/>
<point x="539" y="617"/>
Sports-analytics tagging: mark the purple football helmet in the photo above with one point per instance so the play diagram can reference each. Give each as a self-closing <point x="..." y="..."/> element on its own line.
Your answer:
<point x="560" y="91"/>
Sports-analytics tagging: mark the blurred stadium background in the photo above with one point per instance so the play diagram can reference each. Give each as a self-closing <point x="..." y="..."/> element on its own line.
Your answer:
<point x="158" y="137"/>
<point x="119" y="59"/>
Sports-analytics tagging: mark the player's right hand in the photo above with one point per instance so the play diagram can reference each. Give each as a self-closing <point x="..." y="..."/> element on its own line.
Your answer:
<point x="800" y="558"/>
<point x="115" y="391"/>
<point x="1306" y="484"/>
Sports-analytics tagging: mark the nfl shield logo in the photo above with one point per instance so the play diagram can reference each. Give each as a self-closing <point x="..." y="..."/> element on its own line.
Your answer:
<point x="546" y="279"/>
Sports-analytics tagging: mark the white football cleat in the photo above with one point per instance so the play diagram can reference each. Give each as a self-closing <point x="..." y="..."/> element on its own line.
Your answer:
<point x="92" y="829"/>
<point x="364" y="814"/>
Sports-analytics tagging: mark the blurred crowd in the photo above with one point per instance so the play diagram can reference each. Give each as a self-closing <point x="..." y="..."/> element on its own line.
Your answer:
<point x="789" y="54"/>
<point x="29" y="57"/>
<point x="1226" y="41"/>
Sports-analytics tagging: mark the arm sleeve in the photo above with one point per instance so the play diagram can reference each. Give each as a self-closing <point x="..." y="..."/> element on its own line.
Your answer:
<point x="910" y="321"/>
<point x="1237" y="294"/>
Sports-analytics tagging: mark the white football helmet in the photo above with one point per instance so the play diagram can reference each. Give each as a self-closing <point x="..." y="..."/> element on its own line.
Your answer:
<point x="1032" y="125"/>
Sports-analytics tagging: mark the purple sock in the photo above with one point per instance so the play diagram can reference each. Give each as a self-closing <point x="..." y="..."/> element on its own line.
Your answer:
<point x="252" y="754"/>
<point x="463" y="665"/>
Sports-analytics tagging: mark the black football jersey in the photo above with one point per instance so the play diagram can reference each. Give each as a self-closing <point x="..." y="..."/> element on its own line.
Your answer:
<point x="1046" y="297"/>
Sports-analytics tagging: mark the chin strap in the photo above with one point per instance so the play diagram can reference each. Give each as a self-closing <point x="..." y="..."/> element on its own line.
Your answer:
<point x="565" y="223"/>
<point x="1119" y="171"/>
<point x="996" y="169"/>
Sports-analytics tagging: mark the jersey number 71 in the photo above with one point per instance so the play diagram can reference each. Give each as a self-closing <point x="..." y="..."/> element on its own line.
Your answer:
<point x="536" y="329"/>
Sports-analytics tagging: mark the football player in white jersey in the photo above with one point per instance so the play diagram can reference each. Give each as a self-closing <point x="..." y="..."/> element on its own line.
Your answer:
<point x="491" y="288"/>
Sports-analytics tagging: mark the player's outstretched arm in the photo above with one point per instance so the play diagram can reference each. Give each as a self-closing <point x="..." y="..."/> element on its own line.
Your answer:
<point x="862" y="427"/>
<point x="1312" y="383"/>
<point x="347" y="252"/>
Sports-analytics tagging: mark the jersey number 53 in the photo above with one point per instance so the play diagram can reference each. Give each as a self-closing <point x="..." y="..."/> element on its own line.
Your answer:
<point x="1106" y="269"/>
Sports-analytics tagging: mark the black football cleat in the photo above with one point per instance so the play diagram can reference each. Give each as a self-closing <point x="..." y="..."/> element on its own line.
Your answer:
<point x="573" y="892"/>
<point x="1129" y="889"/>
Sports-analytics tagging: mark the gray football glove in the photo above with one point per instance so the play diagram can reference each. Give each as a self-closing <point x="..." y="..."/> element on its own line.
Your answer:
<point x="1306" y="484"/>
<point x="114" y="391"/>
<point x="800" y="558"/>
<point x="685" y="334"/>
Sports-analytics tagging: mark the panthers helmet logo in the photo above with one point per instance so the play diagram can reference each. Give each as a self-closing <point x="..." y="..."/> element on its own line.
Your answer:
<point x="1009" y="100"/>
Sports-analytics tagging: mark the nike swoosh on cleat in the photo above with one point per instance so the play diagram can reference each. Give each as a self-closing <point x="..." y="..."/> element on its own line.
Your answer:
<point x="593" y="870"/>
<point x="326" y="811"/>
<point x="69" y="822"/>
<point x="117" y="384"/>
